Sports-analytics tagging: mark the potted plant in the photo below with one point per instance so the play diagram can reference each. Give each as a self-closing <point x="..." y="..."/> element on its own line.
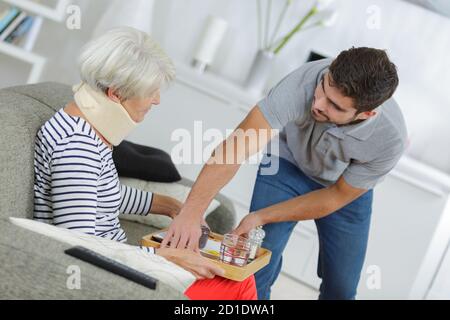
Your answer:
<point x="320" y="14"/>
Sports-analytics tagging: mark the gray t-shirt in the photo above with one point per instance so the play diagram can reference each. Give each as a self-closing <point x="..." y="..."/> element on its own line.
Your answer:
<point x="362" y="153"/>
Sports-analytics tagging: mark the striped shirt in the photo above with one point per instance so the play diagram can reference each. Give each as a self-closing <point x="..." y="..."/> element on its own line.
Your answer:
<point x="76" y="183"/>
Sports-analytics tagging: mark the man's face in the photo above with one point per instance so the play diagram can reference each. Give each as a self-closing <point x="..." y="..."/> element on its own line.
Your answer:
<point x="330" y="105"/>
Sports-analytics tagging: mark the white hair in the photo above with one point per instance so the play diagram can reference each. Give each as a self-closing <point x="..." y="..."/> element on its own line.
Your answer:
<point x="126" y="60"/>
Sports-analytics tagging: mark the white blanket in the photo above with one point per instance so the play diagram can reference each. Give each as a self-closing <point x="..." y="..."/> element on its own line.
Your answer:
<point x="132" y="256"/>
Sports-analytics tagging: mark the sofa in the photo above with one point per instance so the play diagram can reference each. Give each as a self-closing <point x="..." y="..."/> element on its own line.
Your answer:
<point x="34" y="266"/>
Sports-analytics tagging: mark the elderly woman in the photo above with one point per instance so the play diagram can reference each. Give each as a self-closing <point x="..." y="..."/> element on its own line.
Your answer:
<point x="76" y="183"/>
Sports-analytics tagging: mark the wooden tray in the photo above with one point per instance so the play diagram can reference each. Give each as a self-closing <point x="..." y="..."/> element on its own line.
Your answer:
<point x="231" y="272"/>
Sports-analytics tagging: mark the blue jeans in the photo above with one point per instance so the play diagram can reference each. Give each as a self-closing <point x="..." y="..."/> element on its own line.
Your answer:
<point x="342" y="235"/>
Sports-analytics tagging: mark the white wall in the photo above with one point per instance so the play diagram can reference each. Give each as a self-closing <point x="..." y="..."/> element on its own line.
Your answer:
<point x="441" y="284"/>
<point x="418" y="41"/>
<point x="408" y="32"/>
<point x="61" y="46"/>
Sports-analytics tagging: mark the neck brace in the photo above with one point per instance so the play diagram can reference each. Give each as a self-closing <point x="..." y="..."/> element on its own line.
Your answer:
<point x="108" y="117"/>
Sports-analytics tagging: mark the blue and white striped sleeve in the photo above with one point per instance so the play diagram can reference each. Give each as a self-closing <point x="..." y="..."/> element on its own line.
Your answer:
<point x="75" y="171"/>
<point x="150" y="250"/>
<point x="134" y="201"/>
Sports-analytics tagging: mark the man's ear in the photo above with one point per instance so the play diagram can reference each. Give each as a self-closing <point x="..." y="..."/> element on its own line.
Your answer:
<point x="366" y="115"/>
<point x="113" y="95"/>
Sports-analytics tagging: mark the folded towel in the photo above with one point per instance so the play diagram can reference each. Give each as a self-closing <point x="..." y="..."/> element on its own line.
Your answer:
<point x="146" y="163"/>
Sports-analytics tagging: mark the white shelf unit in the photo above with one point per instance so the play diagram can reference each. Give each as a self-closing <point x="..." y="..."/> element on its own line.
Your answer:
<point x="35" y="60"/>
<point x="37" y="9"/>
<point x="217" y="87"/>
<point x="56" y="14"/>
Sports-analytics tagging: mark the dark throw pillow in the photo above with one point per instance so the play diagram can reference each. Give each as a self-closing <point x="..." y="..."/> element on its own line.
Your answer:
<point x="141" y="162"/>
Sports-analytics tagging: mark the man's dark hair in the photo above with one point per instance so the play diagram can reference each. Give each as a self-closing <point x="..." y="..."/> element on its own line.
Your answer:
<point x="366" y="75"/>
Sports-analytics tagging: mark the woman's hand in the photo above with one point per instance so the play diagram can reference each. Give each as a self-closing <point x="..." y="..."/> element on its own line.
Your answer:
<point x="165" y="205"/>
<point x="193" y="262"/>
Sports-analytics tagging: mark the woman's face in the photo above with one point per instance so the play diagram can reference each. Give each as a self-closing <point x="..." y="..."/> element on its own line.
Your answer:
<point x="137" y="108"/>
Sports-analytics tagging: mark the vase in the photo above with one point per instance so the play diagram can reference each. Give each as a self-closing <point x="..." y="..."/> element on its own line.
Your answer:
<point x="212" y="37"/>
<point x="260" y="71"/>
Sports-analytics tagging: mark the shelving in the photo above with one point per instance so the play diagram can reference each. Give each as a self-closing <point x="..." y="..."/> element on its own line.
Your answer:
<point x="35" y="60"/>
<point x="56" y="13"/>
<point x="216" y="86"/>
<point x="54" y="10"/>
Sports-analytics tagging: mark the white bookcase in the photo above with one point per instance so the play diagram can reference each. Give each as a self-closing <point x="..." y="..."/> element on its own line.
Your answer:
<point x="55" y="13"/>
<point x="37" y="62"/>
<point x="54" y="10"/>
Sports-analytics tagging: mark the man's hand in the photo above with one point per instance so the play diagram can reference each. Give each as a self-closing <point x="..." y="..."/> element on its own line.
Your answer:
<point x="204" y="223"/>
<point x="193" y="262"/>
<point x="183" y="232"/>
<point x="250" y="221"/>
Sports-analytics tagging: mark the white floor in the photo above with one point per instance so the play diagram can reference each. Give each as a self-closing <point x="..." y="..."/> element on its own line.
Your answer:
<point x="285" y="288"/>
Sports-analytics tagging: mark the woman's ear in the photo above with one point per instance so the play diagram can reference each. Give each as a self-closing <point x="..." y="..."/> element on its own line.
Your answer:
<point x="113" y="95"/>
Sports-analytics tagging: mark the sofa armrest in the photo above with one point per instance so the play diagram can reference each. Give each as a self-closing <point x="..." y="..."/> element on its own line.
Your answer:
<point x="35" y="267"/>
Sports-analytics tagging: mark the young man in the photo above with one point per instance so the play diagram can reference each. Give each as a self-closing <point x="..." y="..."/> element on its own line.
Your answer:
<point x="340" y="134"/>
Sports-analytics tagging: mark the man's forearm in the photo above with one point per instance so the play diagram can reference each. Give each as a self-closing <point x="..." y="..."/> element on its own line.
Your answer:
<point x="313" y="205"/>
<point x="211" y="180"/>
<point x="251" y="136"/>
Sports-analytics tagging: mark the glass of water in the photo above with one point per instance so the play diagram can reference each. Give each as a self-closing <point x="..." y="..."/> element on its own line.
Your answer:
<point x="235" y="250"/>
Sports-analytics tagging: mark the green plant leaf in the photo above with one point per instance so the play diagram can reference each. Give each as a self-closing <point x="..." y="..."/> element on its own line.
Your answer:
<point x="295" y="30"/>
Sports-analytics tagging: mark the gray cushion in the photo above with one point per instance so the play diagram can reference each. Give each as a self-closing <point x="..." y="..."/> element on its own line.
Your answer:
<point x="51" y="94"/>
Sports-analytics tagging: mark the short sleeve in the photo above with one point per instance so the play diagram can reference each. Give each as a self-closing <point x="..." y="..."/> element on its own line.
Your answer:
<point x="289" y="99"/>
<point x="149" y="250"/>
<point x="367" y="175"/>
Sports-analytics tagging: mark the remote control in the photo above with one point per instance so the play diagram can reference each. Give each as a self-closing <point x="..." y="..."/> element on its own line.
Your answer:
<point x="120" y="269"/>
